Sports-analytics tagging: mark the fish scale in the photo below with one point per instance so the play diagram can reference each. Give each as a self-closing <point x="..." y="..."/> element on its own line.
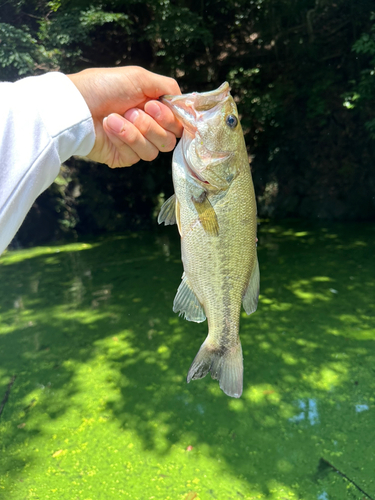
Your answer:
<point x="215" y="210"/>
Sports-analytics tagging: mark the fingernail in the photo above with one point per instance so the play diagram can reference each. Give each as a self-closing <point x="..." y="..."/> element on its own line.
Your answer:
<point x="153" y="109"/>
<point x="115" y="123"/>
<point x="132" y="115"/>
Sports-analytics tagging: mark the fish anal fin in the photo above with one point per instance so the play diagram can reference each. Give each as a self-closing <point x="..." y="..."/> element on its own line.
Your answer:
<point x="225" y="365"/>
<point x="250" y="298"/>
<point x="187" y="304"/>
<point x="168" y="212"/>
<point x="207" y="214"/>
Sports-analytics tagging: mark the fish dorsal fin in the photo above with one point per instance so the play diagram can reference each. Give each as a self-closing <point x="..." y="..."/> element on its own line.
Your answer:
<point x="250" y="299"/>
<point x="168" y="212"/>
<point x="187" y="304"/>
<point x="207" y="214"/>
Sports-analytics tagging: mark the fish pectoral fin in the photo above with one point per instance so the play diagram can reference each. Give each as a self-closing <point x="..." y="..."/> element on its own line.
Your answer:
<point x="226" y="366"/>
<point x="168" y="212"/>
<point x="207" y="214"/>
<point x="187" y="304"/>
<point x="250" y="299"/>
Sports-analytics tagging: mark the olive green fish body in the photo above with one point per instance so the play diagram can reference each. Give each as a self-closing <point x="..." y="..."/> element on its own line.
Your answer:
<point x="215" y="209"/>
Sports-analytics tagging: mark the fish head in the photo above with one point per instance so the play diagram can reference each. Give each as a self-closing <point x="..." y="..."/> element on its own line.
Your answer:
<point x="213" y="136"/>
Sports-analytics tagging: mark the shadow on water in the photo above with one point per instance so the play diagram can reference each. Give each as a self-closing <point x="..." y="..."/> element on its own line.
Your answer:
<point x="88" y="330"/>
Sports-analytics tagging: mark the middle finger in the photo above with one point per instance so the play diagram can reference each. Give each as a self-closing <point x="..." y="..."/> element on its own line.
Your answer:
<point x="161" y="138"/>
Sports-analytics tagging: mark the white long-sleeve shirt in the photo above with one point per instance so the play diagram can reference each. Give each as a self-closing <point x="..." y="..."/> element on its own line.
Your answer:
<point x="44" y="120"/>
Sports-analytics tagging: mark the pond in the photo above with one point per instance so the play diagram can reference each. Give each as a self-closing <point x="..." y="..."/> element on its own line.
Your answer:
<point x="93" y="363"/>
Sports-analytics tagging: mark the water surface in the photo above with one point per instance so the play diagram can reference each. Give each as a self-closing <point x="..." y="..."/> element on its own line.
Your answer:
<point x="99" y="407"/>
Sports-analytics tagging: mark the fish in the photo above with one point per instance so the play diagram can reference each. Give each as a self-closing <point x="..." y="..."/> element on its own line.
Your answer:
<point x="214" y="207"/>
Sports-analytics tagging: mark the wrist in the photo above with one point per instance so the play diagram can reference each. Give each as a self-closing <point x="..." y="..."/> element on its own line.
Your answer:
<point x="79" y="81"/>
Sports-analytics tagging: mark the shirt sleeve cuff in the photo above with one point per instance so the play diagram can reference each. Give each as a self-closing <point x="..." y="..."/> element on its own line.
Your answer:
<point x="64" y="112"/>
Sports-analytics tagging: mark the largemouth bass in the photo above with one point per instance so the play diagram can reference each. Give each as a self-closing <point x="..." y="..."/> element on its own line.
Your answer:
<point x="215" y="210"/>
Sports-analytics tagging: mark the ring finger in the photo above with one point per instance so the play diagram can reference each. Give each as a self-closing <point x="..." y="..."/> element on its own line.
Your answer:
<point x="124" y="134"/>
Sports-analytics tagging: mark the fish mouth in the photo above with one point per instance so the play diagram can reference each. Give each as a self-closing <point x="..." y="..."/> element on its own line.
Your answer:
<point x="187" y="107"/>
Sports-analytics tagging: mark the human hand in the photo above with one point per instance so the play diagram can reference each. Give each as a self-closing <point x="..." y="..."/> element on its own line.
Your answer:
<point x="129" y="123"/>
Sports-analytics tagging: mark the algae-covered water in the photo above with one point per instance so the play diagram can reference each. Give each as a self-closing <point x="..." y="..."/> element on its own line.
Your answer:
<point x="93" y="398"/>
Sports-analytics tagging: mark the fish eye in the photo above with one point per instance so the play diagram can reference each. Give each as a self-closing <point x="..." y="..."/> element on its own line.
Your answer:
<point x="231" y="121"/>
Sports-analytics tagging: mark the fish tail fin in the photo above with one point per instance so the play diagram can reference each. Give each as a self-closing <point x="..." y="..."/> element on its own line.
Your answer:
<point x="225" y="365"/>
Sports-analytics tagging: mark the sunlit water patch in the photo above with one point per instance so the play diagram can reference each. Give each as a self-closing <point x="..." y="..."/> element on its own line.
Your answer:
<point x="93" y="364"/>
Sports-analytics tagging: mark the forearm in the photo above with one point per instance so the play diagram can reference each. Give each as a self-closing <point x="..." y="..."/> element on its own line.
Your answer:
<point x="43" y="121"/>
<point x="110" y="115"/>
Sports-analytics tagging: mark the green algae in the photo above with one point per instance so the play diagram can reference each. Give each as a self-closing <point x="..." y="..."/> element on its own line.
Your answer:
<point x="100" y="407"/>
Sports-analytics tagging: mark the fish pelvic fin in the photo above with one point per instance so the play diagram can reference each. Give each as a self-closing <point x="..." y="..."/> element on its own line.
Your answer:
<point x="225" y="365"/>
<point x="187" y="304"/>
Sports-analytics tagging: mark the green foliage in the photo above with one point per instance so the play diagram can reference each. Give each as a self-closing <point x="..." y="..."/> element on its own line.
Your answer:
<point x="19" y="50"/>
<point x="178" y="33"/>
<point x="57" y="40"/>
<point x="71" y="32"/>
<point x="301" y="72"/>
<point x="101" y="410"/>
<point x="364" y="91"/>
<point x="366" y="43"/>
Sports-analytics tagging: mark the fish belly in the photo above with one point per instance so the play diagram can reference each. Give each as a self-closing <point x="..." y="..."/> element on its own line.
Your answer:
<point x="218" y="269"/>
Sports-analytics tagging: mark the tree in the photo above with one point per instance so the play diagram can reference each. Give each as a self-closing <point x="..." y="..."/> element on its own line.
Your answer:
<point x="301" y="72"/>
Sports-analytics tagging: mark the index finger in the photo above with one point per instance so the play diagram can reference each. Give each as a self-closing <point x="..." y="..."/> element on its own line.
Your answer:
<point x="164" y="117"/>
